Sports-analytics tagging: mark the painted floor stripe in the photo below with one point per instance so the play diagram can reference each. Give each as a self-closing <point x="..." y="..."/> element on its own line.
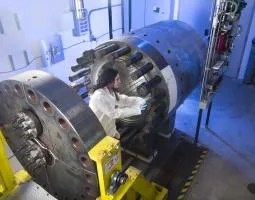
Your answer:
<point x="190" y="179"/>
<point x="181" y="197"/>
<point x="197" y="166"/>
<point x="200" y="161"/>
<point x="184" y="190"/>
<point x="202" y="156"/>
<point x="187" y="184"/>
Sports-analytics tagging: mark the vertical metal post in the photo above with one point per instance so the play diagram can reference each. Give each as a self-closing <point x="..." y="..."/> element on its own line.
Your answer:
<point x="208" y="114"/>
<point x="198" y="125"/>
<point x="110" y="18"/>
<point x="122" y="16"/>
<point x="129" y="15"/>
<point x="250" y="69"/>
<point x="1" y="27"/>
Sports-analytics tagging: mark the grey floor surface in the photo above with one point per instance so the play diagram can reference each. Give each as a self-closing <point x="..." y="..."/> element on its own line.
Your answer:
<point x="217" y="179"/>
<point x="227" y="171"/>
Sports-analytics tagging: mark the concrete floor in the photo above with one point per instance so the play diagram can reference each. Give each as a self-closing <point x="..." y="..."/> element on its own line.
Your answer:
<point x="217" y="179"/>
<point x="231" y="137"/>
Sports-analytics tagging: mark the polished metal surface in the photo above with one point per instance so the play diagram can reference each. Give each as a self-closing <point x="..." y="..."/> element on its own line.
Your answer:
<point x="50" y="130"/>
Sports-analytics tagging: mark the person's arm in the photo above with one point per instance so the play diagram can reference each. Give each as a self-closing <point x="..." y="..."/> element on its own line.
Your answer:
<point x="125" y="100"/>
<point x="105" y="105"/>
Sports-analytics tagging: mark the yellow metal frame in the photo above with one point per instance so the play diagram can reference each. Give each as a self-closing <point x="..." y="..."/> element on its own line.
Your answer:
<point x="9" y="180"/>
<point x="107" y="155"/>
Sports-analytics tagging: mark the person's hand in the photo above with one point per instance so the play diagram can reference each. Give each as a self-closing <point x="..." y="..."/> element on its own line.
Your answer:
<point x="117" y="136"/>
<point x="143" y="106"/>
<point x="148" y="97"/>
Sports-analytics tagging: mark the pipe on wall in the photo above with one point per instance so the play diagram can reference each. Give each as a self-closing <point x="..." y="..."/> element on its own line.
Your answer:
<point x="91" y="36"/>
<point x="129" y="15"/>
<point x="110" y="18"/>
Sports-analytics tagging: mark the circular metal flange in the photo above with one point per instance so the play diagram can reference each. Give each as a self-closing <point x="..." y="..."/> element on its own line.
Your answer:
<point x="169" y="50"/>
<point x="50" y="130"/>
<point x="126" y="70"/>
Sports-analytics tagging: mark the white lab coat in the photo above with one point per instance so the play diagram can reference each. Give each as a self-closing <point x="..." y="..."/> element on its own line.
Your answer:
<point x="107" y="109"/>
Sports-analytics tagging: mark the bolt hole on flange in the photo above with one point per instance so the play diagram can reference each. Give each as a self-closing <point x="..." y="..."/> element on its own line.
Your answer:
<point x="47" y="108"/>
<point x="84" y="161"/>
<point x="18" y="90"/>
<point x="32" y="96"/>
<point x="7" y="89"/>
<point x="76" y="144"/>
<point x="89" y="178"/>
<point x="87" y="189"/>
<point x="63" y="123"/>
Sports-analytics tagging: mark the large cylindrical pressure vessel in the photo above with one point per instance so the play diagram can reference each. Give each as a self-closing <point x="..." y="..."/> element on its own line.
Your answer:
<point x="52" y="130"/>
<point x="167" y="56"/>
<point x="178" y="54"/>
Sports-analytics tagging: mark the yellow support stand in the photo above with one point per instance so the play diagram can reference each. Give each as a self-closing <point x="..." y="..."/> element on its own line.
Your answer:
<point x="8" y="180"/>
<point x="107" y="155"/>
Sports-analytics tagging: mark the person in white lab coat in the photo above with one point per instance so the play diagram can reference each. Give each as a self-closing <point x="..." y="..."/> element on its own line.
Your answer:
<point x="108" y="104"/>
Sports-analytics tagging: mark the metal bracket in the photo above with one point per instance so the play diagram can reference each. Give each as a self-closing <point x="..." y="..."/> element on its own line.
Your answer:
<point x="9" y="181"/>
<point x="107" y="155"/>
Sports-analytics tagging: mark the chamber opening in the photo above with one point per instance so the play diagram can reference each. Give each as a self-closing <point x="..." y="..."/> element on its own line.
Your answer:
<point x="138" y="72"/>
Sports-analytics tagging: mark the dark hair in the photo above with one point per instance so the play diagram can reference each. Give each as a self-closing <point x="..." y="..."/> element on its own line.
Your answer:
<point x="105" y="77"/>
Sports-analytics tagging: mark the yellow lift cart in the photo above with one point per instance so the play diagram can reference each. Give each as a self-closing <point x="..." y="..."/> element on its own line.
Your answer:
<point x="9" y="181"/>
<point x="113" y="182"/>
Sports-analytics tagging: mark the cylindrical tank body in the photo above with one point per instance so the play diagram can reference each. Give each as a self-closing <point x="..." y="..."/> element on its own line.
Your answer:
<point x="175" y="51"/>
<point x="164" y="60"/>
